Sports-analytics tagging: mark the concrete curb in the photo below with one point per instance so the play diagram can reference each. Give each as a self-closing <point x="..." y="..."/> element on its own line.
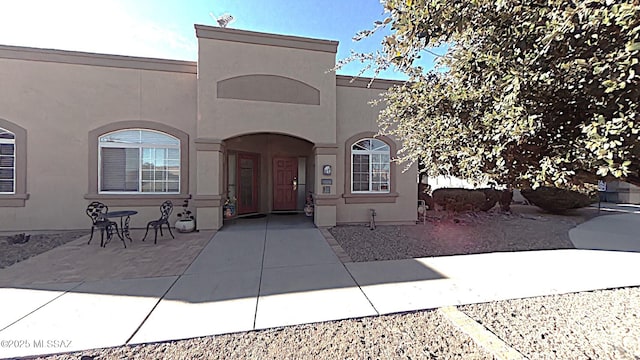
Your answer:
<point x="483" y="337"/>
<point x="335" y="246"/>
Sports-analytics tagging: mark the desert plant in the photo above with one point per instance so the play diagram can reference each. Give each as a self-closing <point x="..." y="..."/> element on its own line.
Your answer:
<point x="556" y="200"/>
<point x="424" y="191"/>
<point x="19" y="238"/>
<point x="185" y="214"/>
<point x="505" y="199"/>
<point x="491" y="197"/>
<point x="459" y="200"/>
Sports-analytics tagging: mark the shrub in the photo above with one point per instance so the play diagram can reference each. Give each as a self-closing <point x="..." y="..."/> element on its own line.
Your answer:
<point x="423" y="194"/>
<point x="506" y="197"/>
<point x="458" y="200"/>
<point x="555" y="200"/>
<point x="491" y="197"/>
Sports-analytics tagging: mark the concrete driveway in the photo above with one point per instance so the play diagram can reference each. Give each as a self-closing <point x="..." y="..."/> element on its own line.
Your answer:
<point x="261" y="273"/>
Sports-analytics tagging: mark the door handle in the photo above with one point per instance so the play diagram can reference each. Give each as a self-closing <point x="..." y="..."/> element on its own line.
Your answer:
<point x="295" y="184"/>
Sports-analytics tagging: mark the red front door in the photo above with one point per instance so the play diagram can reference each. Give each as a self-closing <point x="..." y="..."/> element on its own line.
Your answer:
<point x="285" y="183"/>
<point x="248" y="165"/>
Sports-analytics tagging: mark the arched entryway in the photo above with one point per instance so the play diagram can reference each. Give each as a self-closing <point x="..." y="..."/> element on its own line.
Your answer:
<point x="266" y="173"/>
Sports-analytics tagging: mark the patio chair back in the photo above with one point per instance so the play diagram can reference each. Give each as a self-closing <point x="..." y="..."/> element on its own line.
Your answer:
<point x="165" y="210"/>
<point x="96" y="211"/>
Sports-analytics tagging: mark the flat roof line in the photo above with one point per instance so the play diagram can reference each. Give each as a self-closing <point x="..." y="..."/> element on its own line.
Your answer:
<point x="253" y="37"/>
<point x="107" y="60"/>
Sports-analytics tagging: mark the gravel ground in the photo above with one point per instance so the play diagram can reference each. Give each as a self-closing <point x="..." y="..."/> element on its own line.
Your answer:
<point x="38" y="243"/>
<point x="526" y="228"/>
<point x="419" y="335"/>
<point x="588" y="325"/>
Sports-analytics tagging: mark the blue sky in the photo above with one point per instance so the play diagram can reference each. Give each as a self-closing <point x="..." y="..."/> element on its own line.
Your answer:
<point x="164" y="28"/>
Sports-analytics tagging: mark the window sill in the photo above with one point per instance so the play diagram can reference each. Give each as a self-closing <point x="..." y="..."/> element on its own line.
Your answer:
<point x="325" y="200"/>
<point x="13" y="200"/>
<point x="370" y="198"/>
<point x="136" y="199"/>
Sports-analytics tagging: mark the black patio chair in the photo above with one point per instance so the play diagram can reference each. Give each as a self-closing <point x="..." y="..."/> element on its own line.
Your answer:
<point x="96" y="211"/>
<point x="165" y="210"/>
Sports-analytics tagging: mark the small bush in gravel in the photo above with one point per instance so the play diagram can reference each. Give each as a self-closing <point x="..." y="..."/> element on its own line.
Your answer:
<point x="556" y="200"/>
<point x="423" y="194"/>
<point x="505" y="199"/>
<point x="491" y="197"/>
<point x="459" y="200"/>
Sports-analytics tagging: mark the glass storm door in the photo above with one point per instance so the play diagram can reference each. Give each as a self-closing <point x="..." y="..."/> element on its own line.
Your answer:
<point x="285" y="183"/>
<point x="247" y="187"/>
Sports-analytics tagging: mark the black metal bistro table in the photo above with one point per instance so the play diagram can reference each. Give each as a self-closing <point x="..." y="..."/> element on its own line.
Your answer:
<point x="125" y="218"/>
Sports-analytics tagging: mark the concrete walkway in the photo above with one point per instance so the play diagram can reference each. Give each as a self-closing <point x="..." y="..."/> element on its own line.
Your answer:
<point x="279" y="271"/>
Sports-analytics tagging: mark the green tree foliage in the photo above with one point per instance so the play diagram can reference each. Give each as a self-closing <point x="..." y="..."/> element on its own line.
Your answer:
<point x="528" y="93"/>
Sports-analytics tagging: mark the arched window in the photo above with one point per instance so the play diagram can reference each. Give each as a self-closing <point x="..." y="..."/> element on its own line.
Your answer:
<point x="370" y="166"/>
<point x="7" y="162"/>
<point x="138" y="161"/>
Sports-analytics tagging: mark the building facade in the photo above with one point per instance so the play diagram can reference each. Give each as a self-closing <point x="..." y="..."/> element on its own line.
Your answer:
<point x="257" y="125"/>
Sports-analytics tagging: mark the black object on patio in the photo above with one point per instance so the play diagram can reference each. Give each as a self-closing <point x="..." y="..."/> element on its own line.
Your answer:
<point x="165" y="210"/>
<point x="97" y="211"/>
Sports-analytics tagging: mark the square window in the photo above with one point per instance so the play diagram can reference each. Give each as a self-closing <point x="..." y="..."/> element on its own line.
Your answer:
<point x="147" y="186"/>
<point x="7" y="149"/>
<point x="173" y="186"/>
<point x="173" y="154"/>
<point x="6" y="186"/>
<point x="147" y="175"/>
<point x="6" y="161"/>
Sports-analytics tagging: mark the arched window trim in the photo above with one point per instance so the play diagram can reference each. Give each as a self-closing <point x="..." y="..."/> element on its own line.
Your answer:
<point x="18" y="197"/>
<point x="351" y="197"/>
<point x="371" y="147"/>
<point x="140" y="145"/>
<point x="136" y="199"/>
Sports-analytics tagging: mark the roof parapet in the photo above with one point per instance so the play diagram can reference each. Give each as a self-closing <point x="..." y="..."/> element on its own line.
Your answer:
<point x="253" y="37"/>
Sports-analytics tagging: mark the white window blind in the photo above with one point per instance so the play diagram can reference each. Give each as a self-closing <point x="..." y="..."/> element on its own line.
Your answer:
<point x="7" y="162"/>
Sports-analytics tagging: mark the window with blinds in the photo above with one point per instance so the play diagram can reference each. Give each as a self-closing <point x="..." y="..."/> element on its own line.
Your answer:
<point x="7" y="162"/>
<point x="139" y="161"/>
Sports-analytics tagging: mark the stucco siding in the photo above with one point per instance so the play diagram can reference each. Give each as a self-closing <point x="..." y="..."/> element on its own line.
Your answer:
<point x="59" y="104"/>
<point x="225" y="118"/>
<point x="355" y="115"/>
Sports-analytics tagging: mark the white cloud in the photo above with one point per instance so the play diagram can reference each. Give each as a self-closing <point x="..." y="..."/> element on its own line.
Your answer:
<point x="92" y="26"/>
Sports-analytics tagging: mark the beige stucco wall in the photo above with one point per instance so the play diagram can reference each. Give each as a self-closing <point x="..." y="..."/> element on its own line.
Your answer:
<point x="59" y="98"/>
<point x="623" y="192"/>
<point x="226" y="118"/>
<point x="58" y="104"/>
<point x="356" y="115"/>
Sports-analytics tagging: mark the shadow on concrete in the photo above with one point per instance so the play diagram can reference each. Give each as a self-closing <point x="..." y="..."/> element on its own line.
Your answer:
<point x="260" y="273"/>
<point x="620" y="232"/>
<point x="278" y="254"/>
